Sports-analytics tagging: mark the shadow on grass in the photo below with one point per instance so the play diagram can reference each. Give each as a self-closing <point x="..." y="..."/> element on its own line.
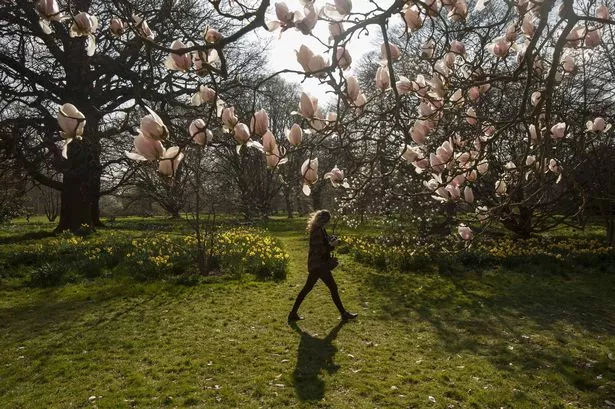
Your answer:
<point x="515" y="318"/>
<point x="313" y="356"/>
<point x="33" y="235"/>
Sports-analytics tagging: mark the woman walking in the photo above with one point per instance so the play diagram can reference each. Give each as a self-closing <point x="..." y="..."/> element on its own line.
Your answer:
<point x="320" y="264"/>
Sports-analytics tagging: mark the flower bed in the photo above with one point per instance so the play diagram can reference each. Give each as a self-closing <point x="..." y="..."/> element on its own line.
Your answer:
<point x="67" y="258"/>
<point x="485" y="252"/>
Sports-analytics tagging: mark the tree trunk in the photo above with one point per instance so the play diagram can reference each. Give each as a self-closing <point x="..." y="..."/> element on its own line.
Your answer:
<point x="288" y="201"/>
<point x="79" y="194"/>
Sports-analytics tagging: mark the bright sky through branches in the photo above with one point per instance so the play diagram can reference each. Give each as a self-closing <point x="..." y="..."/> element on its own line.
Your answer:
<point x="283" y="49"/>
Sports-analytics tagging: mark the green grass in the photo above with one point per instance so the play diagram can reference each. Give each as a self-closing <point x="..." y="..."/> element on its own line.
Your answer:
<point x="512" y="338"/>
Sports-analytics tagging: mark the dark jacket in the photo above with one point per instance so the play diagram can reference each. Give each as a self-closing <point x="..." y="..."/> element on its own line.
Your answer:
<point x="320" y="249"/>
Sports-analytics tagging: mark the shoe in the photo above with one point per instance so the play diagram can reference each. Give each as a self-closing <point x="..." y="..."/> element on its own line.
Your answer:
<point x="293" y="316"/>
<point x="347" y="315"/>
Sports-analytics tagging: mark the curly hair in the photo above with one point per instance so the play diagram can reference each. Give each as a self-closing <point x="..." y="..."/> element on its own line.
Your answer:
<point x="317" y="219"/>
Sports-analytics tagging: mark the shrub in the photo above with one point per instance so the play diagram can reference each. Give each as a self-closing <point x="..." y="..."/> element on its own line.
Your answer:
<point x="47" y="275"/>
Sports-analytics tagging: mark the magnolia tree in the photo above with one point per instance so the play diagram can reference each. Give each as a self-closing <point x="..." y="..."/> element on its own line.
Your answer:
<point x="482" y="116"/>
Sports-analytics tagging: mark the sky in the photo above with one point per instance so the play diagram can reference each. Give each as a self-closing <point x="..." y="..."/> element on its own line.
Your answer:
<point x="283" y="49"/>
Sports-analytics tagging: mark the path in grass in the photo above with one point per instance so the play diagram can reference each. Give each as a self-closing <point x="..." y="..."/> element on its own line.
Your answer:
<point x="506" y="339"/>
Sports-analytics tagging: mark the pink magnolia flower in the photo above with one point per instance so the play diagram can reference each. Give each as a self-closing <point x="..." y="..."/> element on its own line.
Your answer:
<point x="336" y="29"/>
<point x="500" y="188"/>
<point x="309" y="172"/>
<point x="284" y="18"/>
<point x="211" y="35"/>
<point x="393" y="50"/>
<point x="343" y="58"/>
<point x="474" y="93"/>
<point x="535" y="98"/>
<point x="336" y="176"/>
<point x="229" y="119"/>
<point x="383" y="79"/>
<point x="555" y="167"/>
<point x="419" y="132"/>
<point x="177" y="61"/>
<point x="568" y="64"/>
<point x="465" y="232"/>
<point x="295" y="135"/>
<point x="269" y="142"/>
<point x="275" y="157"/>
<point x="530" y="160"/>
<point x="598" y="125"/>
<point x="204" y="95"/>
<point x="71" y="121"/>
<point x="593" y="37"/>
<point x="482" y="168"/>
<point x="117" y="27"/>
<point x="404" y="85"/>
<point x="413" y="18"/>
<point x="458" y="47"/>
<point x="170" y="161"/>
<point x="308" y="105"/>
<point x="558" y="131"/>
<point x="602" y="12"/>
<point x="471" y="116"/>
<point x="241" y="133"/>
<point x="411" y="153"/>
<point x="468" y="194"/>
<point x="83" y="25"/>
<point x="573" y="39"/>
<point x="427" y="49"/>
<point x="199" y="134"/>
<point x="459" y="11"/>
<point x="306" y="21"/>
<point x="146" y="149"/>
<point x="260" y="122"/>
<point x="499" y="47"/>
<point x="304" y="56"/>
<point x="204" y="60"/>
<point x="533" y="134"/>
<point x="152" y="126"/>
<point x="360" y="101"/>
<point x="143" y="28"/>
<point x="527" y="27"/>
<point x="343" y="7"/>
<point x="49" y="10"/>
<point x="511" y="33"/>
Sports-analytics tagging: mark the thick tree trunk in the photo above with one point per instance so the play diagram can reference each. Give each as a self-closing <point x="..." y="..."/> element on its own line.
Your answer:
<point x="79" y="193"/>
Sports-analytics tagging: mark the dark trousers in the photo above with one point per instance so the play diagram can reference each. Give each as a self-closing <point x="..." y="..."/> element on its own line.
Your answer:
<point x="327" y="278"/>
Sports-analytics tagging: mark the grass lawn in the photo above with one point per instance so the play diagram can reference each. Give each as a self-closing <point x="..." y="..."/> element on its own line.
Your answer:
<point x="500" y="338"/>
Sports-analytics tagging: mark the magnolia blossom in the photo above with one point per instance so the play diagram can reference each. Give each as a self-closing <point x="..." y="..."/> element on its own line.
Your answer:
<point x="413" y="18"/>
<point x="143" y="28"/>
<point x="459" y="11"/>
<point x="343" y="58"/>
<point x="500" y="188"/>
<point x="199" y="134"/>
<point x="393" y="50"/>
<point x="177" y="61"/>
<point x="465" y="232"/>
<point x="593" y="37"/>
<point x="229" y="119"/>
<point x="568" y="63"/>
<point x="573" y="39"/>
<point x="117" y="27"/>
<point x="558" y="131"/>
<point x="404" y="85"/>
<point x="554" y="166"/>
<point x="530" y="160"/>
<point x="274" y="157"/>
<point x="309" y="172"/>
<point x="468" y="194"/>
<point x="336" y="176"/>
<point x="85" y="25"/>
<point x="499" y="47"/>
<point x="71" y="121"/>
<point x="482" y="167"/>
<point x="170" y="161"/>
<point x="383" y="79"/>
<point x="533" y="134"/>
<point x="285" y="18"/>
<point x="427" y="49"/>
<point x="535" y="98"/>
<point x="153" y="127"/>
<point x="308" y="105"/>
<point x="203" y="95"/>
<point x="146" y="149"/>
<point x="306" y="21"/>
<point x="598" y="125"/>
<point x="336" y="29"/>
<point x="527" y="27"/>
<point x="260" y="122"/>
<point x="294" y="135"/>
<point x="458" y="47"/>
<point x="204" y="60"/>
<point x="411" y="153"/>
<point x="211" y="35"/>
<point x="419" y="132"/>
<point x="474" y="93"/>
<point x="241" y="133"/>
<point x="471" y="116"/>
<point x="360" y="101"/>
<point x="49" y="10"/>
<point x="309" y="61"/>
<point x="269" y="142"/>
<point x="602" y="12"/>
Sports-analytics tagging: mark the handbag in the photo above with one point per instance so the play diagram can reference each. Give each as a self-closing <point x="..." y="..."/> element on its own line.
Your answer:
<point x="331" y="263"/>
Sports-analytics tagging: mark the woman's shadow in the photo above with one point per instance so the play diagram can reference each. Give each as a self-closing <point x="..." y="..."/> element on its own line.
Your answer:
<point x="313" y="356"/>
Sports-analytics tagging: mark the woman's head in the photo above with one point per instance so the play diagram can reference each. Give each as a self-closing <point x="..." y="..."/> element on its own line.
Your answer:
<point x="318" y="219"/>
